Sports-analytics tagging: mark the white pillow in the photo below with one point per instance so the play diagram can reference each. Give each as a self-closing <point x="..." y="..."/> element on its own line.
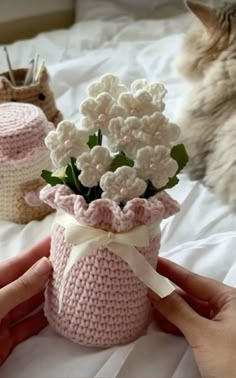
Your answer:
<point x="110" y="9"/>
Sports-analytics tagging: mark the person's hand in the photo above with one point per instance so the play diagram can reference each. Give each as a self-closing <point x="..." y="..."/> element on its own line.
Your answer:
<point x="22" y="279"/>
<point x="204" y="311"/>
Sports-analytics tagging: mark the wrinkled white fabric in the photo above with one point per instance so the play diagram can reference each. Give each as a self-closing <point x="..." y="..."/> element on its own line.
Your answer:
<point x="201" y="237"/>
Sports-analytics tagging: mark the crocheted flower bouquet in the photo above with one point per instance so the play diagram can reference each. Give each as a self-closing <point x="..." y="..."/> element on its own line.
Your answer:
<point x="110" y="202"/>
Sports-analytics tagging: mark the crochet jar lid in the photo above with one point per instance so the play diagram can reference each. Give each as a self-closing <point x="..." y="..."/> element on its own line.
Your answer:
<point x="23" y="128"/>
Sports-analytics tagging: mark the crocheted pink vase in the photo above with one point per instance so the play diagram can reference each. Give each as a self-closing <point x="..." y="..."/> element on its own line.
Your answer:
<point x="104" y="302"/>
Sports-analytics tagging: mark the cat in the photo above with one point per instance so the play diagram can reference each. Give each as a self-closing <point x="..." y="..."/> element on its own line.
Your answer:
<point x="207" y="116"/>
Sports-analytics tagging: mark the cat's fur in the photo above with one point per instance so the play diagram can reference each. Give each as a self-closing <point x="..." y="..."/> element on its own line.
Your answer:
<point x="208" y="114"/>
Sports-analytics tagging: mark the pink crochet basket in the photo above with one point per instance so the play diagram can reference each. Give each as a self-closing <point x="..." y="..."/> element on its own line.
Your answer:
<point x="104" y="303"/>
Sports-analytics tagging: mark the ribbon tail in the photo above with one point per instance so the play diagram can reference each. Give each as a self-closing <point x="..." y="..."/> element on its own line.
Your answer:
<point x="143" y="270"/>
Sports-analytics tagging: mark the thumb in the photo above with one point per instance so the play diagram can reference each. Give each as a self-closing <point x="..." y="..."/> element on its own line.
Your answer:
<point x="179" y="313"/>
<point x="25" y="287"/>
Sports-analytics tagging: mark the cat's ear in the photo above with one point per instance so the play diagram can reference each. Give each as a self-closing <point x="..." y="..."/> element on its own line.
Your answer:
<point x="204" y="13"/>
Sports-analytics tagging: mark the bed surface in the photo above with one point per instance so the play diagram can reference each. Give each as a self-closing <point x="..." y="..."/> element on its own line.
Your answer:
<point x="202" y="237"/>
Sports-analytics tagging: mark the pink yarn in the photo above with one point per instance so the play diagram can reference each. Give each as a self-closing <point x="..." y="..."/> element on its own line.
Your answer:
<point x="23" y="128"/>
<point x="23" y="156"/>
<point x="104" y="303"/>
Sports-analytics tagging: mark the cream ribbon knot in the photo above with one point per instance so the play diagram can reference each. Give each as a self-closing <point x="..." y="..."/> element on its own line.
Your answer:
<point x="86" y="240"/>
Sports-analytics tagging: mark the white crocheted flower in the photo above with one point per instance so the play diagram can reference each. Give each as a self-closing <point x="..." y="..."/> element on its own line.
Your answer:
<point x="160" y="130"/>
<point x="93" y="165"/>
<point x="107" y="83"/>
<point x="66" y="142"/>
<point x="156" y="165"/>
<point x="138" y="104"/>
<point x="98" y="112"/>
<point x="126" y="135"/>
<point x="122" y="185"/>
<point x="156" y="90"/>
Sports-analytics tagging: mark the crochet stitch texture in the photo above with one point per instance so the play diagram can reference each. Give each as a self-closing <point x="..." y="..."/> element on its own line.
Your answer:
<point x="23" y="155"/>
<point x="104" y="303"/>
<point x="39" y="93"/>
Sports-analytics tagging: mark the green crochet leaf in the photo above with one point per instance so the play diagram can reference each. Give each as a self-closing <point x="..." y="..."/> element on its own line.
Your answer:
<point x="119" y="161"/>
<point x="69" y="179"/>
<point x="179" y="154"/>
<point x="52" y="180"/>
<point x="171" y="183"/>
<point x="93" y="141"/>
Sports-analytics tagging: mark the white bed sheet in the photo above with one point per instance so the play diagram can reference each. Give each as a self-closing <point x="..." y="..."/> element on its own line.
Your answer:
<point x="201" y="237"/>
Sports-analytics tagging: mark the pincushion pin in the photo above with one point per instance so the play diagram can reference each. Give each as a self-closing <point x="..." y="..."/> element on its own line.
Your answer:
<point x="29" y="75"/>
<point x="11" y="75"/>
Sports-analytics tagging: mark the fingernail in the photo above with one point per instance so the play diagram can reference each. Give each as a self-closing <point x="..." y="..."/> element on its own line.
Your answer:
<point x="42" y="267"/>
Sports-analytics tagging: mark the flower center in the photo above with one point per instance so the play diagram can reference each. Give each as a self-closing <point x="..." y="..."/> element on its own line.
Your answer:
<point x="123" y="191"/>
<point x="99" y="167"/>
<point x="152" y="166"/>
<point x="127" y="139"/>
<point x="157" y="135"/>
<point x="102" y="117"/>
<point x="68" y="144"/>
<point x="134" y="111"/>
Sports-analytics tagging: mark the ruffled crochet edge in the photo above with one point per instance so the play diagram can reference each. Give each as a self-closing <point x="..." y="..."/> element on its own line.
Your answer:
<point x="107" y="214"/>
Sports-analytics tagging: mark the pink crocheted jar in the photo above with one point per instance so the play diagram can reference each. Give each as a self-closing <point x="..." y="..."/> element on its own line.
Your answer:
<point x="104" y="303"/>
<point x="23" y="156"/>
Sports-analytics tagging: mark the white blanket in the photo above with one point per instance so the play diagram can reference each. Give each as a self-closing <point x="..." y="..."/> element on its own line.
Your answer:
<point x="201" y="237"/>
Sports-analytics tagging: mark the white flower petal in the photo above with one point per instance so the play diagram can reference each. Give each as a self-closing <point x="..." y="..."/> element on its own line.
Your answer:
<point x="156" y="165"/>
<point x="98" y="112"/>
<point x="66" y="142"/>
<point x="107" y="83"/>
<point x="139" y="104"/>
<point x="122" y="185"/>
<point x="156" y="90"/>
<point x="160" y="130"/>
<point x="93" y="165"/>
<point x="127" y="136"/>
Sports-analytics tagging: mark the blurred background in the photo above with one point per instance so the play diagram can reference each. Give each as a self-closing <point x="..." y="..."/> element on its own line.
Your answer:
<point x="20" y="19"/>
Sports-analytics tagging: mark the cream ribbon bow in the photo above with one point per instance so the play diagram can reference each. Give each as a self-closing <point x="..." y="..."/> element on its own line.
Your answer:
<point x="85" y="240"/>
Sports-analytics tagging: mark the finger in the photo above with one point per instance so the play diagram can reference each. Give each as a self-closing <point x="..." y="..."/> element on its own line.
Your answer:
<point x="28" y="328"/>
<point x="165" y="325"/>
<point x="195" y="285"/>
<point x="181" y="315"/>
<point x="6" y="350"/>
<point x="202" y="308"/>
<point x="26" y="308"/>
<point x="24" y="287"/>
<point x="14" y="267"/>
